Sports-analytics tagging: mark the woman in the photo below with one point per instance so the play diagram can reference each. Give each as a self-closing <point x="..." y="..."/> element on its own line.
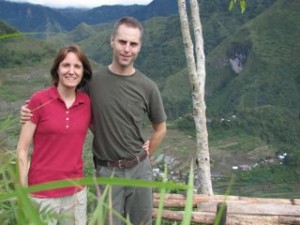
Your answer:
<point x="58" y="127"/>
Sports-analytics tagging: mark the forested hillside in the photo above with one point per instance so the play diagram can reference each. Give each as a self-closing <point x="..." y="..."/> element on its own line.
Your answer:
<point x="253" y="80"/>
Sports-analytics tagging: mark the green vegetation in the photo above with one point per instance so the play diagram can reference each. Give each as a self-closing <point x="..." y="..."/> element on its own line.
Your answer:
<point x="266" y="48"/>
<point x="5" y="29"/>
<point x="252" y="114"/>
<point x="268" y="181"/>
<point x="21" y="51"/>
<point x="16" y="207"/>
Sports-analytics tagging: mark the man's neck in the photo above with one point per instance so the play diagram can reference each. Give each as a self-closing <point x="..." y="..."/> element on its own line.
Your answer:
<point x="122" y="71"/>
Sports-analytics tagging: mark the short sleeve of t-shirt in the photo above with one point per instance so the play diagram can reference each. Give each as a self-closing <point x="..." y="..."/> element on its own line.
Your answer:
<point x="157" y="113"/>
<point x="34" y="105"/>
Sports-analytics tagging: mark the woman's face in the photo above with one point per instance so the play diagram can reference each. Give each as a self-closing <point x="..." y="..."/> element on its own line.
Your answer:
<point x="70" y="71"/>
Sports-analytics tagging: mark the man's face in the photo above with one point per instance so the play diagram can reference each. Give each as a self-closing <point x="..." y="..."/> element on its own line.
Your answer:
<point x="126" y="44"/>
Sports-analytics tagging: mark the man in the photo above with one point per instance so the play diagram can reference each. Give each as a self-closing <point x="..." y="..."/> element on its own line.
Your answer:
<point x="121" y="96"/>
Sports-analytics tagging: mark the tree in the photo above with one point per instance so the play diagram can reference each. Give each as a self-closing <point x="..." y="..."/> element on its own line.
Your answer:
<point x="197" y="75"/>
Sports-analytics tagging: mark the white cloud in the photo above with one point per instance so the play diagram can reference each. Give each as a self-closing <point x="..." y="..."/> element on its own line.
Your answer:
<point x="82" y="4"/>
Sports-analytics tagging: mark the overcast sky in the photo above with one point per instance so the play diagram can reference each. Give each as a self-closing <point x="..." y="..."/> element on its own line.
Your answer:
<point x="83" y="4"/>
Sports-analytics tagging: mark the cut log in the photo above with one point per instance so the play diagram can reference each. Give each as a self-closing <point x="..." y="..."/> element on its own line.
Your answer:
<point x="232" y="219"/>
<point x="240" y="210"/>
<point x="197" y="198"/>
<point x="197" y="217"/>
<point x="236" y="219"/>
<point x="253" y="209"/>
<point x="177" y="200"/>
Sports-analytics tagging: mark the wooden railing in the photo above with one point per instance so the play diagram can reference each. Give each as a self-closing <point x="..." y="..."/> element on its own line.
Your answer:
<point x="238" y="210"/>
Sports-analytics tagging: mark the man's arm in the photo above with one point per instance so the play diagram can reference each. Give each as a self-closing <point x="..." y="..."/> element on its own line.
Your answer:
<point x="160" y="130"/>
<point x="25" y="113"/>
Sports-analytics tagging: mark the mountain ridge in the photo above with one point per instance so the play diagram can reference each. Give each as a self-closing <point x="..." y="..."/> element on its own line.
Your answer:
<point x="36" y="18"/>
<point x="252" y="66"/>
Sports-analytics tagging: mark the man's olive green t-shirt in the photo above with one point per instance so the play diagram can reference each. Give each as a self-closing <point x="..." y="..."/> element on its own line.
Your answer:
<point x="119" y="106"/>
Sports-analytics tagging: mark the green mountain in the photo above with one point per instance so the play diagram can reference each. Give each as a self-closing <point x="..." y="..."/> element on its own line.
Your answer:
<point x="255" y="73"/>
<point x="258" y="65"/>
<point x="19" y="50"/>
<point x="251" y="58"/>
<point x="37" y="18"/>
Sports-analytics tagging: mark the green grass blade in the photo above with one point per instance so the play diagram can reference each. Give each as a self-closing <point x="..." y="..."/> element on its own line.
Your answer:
<point x="222" y="208"/>
<point x="161" y="199"/>
<point x="19" y="34"/>
<point x="26" y="207"/>
<point x="99" y="213"/>
<point x="100" y="180"/>
<point x="189" y="199"/>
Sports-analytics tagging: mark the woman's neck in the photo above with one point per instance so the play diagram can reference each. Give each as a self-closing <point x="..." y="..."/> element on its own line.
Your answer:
<point x="68" y="95"/>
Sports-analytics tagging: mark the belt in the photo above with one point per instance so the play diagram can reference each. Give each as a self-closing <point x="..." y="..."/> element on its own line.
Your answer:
<point x="122" y="163"/>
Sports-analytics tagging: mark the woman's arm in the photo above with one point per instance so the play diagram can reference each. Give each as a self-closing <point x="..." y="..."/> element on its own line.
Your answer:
<point x="24" y="142"/>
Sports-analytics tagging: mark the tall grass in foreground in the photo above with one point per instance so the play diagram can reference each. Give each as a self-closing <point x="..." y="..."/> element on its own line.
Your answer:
<point x="16" y="207"/>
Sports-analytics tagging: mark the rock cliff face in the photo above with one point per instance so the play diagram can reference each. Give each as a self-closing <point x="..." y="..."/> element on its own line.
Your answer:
<point x="236" y="65"/>
<point x="237" y="55"/>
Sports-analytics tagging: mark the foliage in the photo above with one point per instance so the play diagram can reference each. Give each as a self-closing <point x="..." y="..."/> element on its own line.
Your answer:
<point x="6" y="29"/>
<point x="16" y="207"/>
<point x="274" y="125"/>
<point x="177" y="101"/>
<point x="274" y="181"/>
<point x="264" y="96"/>
<point x="267" y="75"/>
<point x="274" y="174"/>
<point x="186" y="123"/>
<point x="258" y="94"/>
<point x="242" y="5"/>
<point x="16" y="52"/>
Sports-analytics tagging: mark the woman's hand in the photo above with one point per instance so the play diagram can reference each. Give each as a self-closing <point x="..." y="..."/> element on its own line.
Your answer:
<point x="146" y="146"/>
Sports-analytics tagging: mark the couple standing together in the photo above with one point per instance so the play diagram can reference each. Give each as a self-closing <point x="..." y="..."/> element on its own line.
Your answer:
<point x="112" y="103"/>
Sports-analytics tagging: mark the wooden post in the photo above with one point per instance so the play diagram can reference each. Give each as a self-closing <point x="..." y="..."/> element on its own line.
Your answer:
<point x="221" y="214"/>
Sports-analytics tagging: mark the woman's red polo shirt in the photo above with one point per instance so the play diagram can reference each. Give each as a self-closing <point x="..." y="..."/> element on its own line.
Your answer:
<point x="58" y="139"/>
